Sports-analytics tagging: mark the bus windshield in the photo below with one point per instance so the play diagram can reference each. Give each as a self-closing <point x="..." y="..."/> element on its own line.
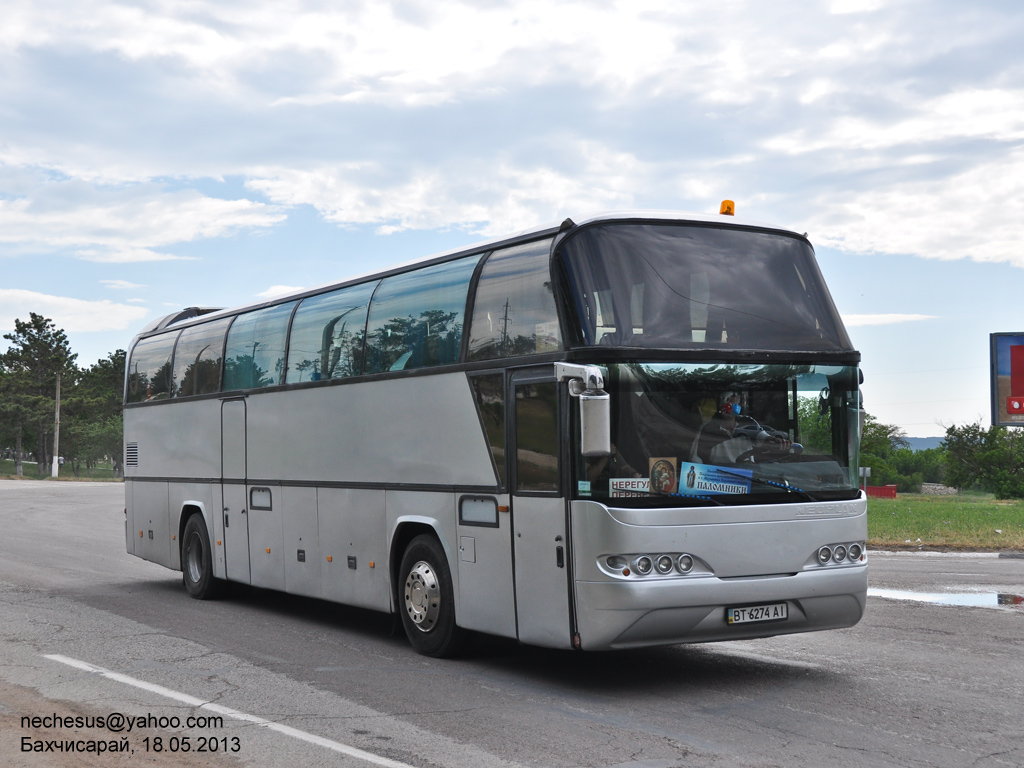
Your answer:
<point x="684" y="286"/>
<point x="722" y="433"/>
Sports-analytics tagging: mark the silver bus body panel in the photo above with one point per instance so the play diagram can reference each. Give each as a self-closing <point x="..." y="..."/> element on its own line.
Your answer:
<point x="412" y="430"/>
<point x="542" y="586"/>
<point x="291" y="442"/>
<point x="166" y="450"/>
<point x="750" y="562"/>
<point x="152" y="523"/>
<point x="351" y="523"/>
<point x="487" y="600"/>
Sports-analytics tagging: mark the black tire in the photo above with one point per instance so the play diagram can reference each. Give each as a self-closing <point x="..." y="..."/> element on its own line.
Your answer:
<point x="197" y="561"/>
<point x="426" y="600"/>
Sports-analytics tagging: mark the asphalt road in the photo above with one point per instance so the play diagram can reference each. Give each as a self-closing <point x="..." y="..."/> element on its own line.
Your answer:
<point x="86" y="631"/>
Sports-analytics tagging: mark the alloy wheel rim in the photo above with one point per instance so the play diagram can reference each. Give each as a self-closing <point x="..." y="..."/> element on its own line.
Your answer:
<point x="422" y="596"/>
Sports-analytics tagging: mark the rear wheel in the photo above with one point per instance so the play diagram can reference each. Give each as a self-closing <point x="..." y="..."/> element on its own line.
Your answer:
<point x="426" y="599"/>
<point x="197" y="560"/>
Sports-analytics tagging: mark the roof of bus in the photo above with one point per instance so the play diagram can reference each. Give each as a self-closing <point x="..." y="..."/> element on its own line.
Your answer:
<point x="524" y="235"/>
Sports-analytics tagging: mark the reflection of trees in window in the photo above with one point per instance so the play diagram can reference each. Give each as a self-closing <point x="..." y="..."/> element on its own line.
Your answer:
<point x="341" y="350"/>
<point x="143" y="387"/>
<point x="327" y="335"/>
<point x="255" y="348"/>
<point x="201" y="377"/>
<point x="340" y="354"/>
<point x="244" y="371"/>
<point x="416" y="318"/>
<point x="149" y="371"/>
<point x="402" y="343"/>
<point x="197" y="359"/>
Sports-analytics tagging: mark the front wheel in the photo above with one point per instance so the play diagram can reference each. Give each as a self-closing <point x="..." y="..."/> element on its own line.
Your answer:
<point x="426" y="599"/>
<point x="197" y="560"/>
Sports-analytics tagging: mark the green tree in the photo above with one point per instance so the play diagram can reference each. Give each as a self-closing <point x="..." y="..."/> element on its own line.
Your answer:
<point x="39" y="352"/>
<point x="991" y="459"/>
<point x="884" y="448"/>
<point x="92" y="415"/>
<point x="14" y="412"/>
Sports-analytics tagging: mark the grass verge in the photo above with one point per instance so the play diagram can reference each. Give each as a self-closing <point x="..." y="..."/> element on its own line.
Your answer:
<point x="968" y="521"/>
<point x="29" y="472"/>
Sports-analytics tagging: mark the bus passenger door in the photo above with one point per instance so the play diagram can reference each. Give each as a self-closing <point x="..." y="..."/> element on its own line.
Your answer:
<point x="487" y="598"/>
<point x="232" y="463"/>
<point x="539" y="515"/>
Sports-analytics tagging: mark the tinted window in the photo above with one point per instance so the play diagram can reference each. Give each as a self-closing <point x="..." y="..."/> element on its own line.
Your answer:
<point x="198" y="358"/>
<point x="255" y="350"/>
<point x="327" y="335"/>
<point x="149" y="372"/>
<point x="416" y="318"/>
<point x="537" y="437"/>
<point x="490" y="402"/>
<point x="672" y="286"/>
<point x="514" y="312"/>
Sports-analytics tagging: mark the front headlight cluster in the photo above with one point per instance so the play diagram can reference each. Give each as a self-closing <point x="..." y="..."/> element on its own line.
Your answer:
<point x="840" y="554"/>
<point x="651" y="565"/>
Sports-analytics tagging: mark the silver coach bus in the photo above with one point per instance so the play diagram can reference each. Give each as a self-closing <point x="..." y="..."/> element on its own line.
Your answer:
<point x="640" y="429"/>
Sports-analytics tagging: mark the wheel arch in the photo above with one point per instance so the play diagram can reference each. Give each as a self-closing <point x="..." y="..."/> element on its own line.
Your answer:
<point x="407" y="529"/>
<point x="189" y="508"/>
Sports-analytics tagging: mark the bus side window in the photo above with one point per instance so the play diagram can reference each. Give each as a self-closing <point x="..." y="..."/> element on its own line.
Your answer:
<point x="416" y="318"/>
<point x="198" y="358"/>
<point x="327" y="335"/>
<point x="489" y="390"/>
<point x="255" y="350"/>
<point x="514" y="311"/>
<point x="149" y="370"/>
<point x="537" y="446"/>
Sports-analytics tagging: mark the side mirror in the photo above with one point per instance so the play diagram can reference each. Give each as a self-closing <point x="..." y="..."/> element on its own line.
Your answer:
<point x="586" y="382"/>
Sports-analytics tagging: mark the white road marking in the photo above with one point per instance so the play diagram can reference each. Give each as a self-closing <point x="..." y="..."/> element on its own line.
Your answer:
<point x="184" y="698"/>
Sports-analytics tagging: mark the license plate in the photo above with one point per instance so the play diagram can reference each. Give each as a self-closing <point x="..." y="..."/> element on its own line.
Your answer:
<point x="753" y="613"/>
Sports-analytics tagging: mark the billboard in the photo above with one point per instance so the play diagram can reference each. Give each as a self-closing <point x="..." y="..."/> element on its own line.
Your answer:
<point x="1007" y="351"/>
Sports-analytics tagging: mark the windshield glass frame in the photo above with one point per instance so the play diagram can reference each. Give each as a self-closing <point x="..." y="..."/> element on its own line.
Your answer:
<point x="770" y="432"/>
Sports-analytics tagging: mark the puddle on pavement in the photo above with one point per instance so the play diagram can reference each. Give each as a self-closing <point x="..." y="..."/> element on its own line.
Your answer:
<point x="968" y="599"/>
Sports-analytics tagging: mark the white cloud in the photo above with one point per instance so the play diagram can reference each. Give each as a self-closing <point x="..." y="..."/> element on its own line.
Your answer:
<point x="977" y="214"/>
<point x="995" y="114"/>
<point x="125" y="223"/>
<point x="278" y="290"/>
<point x="855" y="6"/>
<point x="489" y="198"/>
<point x="121" y="285"/>
<point x="67" y="313"/>
<point x="853" y="321"/>
<point x="404" y="115"/>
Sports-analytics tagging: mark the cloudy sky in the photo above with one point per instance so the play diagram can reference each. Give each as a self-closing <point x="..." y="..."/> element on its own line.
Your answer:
<point x="155" y="155"/>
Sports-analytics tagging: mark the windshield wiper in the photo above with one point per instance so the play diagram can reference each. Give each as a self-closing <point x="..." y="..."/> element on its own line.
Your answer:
<point x="784" y="485"/>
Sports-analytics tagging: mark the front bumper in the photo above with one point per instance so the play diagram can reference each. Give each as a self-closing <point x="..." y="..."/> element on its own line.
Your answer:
<point x="652" y="612"/>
